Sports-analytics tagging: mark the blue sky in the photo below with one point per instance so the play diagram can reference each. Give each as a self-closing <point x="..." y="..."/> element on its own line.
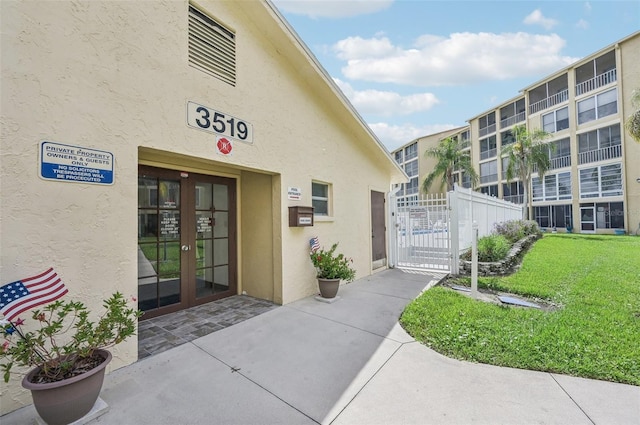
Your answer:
<point x="417" y="67"/>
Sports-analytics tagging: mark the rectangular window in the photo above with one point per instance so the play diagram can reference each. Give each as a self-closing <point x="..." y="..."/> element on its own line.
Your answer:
<point x="490" y="190"/>
<point x="558" y="216"/>
<point x="487" y="124"/>
<point x="411" y="187"/>
<point x="599" y="145"/>
<point x="320" y="193"/>
<point x="555" y="187"/>
<point x="488" y="147"/>
<point x="212" y="47"/>
<point x="610" y="215"/>
<point x="537" y="189"/>
<point x="411" y="151"/>
<point x="489" y="172"/>
<point x="398" y="157"/>
<point x="411" y="168"/>
<point x="564" y="186"/>
<point x="605" y="180"/>
<point x="556" y="120"/>
<point x="598" y="106"/>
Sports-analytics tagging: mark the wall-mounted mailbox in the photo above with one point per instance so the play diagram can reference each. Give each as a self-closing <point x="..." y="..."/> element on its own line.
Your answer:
<point x="300" y="216"/>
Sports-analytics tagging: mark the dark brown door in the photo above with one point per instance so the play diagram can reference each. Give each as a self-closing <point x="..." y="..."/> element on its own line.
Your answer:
<point x="378" y="243"/>
<point x="186" y="239"/>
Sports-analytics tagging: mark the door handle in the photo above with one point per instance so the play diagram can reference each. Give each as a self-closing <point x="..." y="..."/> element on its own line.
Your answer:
<point x="186" y="247"/>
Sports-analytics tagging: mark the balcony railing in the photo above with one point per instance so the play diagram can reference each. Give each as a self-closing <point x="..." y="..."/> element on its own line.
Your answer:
<point x="603" y="79"/>
<point x="487" y="130"/>
<point x="559" y="162"/>
<point x="490" y="153"/>
<point x="600" y="154"/>
<point x="465" y="144"/>
<point x="550" y="101"/>
<point x="516" y="199"/>
<point x="512" y="120"/>
<point x="489" y="178"/>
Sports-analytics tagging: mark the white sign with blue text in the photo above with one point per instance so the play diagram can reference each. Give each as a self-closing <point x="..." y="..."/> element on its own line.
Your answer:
<point x="75" y="164"/>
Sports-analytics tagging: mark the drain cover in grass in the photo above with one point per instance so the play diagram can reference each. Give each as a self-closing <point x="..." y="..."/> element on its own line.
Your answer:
<point x="461" y="288"/>
<point x="517" y="301"/>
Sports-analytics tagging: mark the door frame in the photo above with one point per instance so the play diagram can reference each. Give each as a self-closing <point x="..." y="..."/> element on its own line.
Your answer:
<point x="379" y="257"/>
<point x="187" y="211"/>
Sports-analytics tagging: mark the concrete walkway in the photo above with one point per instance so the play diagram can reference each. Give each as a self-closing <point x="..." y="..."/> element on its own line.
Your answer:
<point x="348" y="362"/>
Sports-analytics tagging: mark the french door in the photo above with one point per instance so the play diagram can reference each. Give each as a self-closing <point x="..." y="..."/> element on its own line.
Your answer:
<point x="186" y="239"/>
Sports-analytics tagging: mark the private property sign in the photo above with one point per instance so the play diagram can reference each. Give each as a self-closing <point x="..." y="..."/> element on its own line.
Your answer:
<point x="75" y="164"/>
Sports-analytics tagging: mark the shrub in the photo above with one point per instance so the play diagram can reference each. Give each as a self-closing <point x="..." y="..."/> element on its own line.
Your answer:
<point x="514" y="230"/>
<point x="493" y="248"/>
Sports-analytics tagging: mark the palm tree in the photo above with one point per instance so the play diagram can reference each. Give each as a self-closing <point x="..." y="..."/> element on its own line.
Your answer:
<point x="633" y="122"/>
<point x="450" y="157"/>
<point x="529" y="151"/>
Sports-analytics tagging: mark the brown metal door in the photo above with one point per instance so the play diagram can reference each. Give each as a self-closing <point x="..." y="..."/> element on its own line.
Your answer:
<point x="378" y="229"/>
<point x="186" y="240"/>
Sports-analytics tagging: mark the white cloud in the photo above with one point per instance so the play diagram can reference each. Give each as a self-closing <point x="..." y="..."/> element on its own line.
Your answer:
<point x="587" y="7"/>
<point x="386" y="103"/>
<point x="394" y="136"/>
<point x="461" y="58"/>
<point x="582" y="24"/>
<point x="332" y="8"/>
<point x="537" y="18"/>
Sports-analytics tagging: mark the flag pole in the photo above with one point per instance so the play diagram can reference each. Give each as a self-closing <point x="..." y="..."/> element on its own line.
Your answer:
<point x="25" y="339"/>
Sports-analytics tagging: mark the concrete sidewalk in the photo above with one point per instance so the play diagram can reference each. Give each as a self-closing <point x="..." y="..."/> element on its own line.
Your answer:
<point x="348" y="362"/>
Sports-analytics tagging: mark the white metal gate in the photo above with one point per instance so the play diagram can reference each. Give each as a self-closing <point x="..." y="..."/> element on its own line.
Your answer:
<point x="422" y="238"/>
<point x="430" y="233"/>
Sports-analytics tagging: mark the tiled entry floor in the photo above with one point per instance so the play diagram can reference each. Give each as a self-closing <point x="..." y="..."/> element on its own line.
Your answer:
<point x="162" y="333"/>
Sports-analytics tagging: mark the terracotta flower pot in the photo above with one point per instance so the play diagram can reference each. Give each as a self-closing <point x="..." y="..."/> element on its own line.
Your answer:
<point x="63" y="402"/>
<point x="328" y="287"/>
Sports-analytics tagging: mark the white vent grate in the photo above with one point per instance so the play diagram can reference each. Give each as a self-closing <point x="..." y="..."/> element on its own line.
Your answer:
<point x="212" y="47"/>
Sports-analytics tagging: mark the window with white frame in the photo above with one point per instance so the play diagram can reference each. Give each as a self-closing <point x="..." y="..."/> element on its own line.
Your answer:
<point x="605" y="180"/>
<point x="490" y="190"/>
<point x="599" y="145"/>
<point x="411" y="187"/>
<point x="609" y="215"/>
<point x="598" y="106"/>
<point x="411" y="168"/>
<point x="553" y="215"/>
<point x="488" y="147"/>
<point x="489" y="171"/>
<point x="554" y="187"/>
<point x="411" y="151"/>
<point x="398" y="157"/>
<point x="320" y="198"/>
<point x="556" y="120"/>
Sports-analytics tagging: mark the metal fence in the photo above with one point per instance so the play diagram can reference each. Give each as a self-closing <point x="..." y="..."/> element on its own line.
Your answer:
<point x="430" y="233"/>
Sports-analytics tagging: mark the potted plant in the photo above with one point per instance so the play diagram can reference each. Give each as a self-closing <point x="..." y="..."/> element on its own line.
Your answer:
<point x="331" y="268"/>
<point x="67" y="351"/>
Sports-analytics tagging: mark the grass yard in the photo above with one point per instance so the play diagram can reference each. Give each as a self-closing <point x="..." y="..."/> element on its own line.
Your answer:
<point x="595" y="332"/>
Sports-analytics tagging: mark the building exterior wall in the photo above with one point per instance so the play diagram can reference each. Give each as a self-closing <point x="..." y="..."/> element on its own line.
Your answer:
<point x="627" y="65"/>
<point x="115" y="77"/>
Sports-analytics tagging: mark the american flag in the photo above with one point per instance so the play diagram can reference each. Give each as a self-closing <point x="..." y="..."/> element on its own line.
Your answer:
<point x="19" y="296"/>
<point x="314" y="242"/>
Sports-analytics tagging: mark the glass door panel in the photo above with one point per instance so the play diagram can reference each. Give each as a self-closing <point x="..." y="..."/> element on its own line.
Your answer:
<point x="587" y="219"/>
<point x="159" y="249"/>
<point x="212" y="239"/>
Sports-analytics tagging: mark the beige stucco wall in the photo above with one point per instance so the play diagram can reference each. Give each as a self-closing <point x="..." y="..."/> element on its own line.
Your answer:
<point x="630" y="77"/>
<point x="114" y="76"/>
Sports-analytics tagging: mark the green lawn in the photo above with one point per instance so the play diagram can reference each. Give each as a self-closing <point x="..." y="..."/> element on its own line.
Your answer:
<point x="595" y="332"/>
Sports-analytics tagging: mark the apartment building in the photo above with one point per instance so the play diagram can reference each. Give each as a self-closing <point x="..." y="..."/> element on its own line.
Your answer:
<point x="593" y="184"/>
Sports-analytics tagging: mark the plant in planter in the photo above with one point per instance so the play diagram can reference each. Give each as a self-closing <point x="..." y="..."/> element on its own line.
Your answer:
<point x="67" y="351"/>
<point x="331" y="268"/>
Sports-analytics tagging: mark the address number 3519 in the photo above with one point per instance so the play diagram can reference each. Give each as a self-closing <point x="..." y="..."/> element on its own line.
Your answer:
<point x="213" y="121"/>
